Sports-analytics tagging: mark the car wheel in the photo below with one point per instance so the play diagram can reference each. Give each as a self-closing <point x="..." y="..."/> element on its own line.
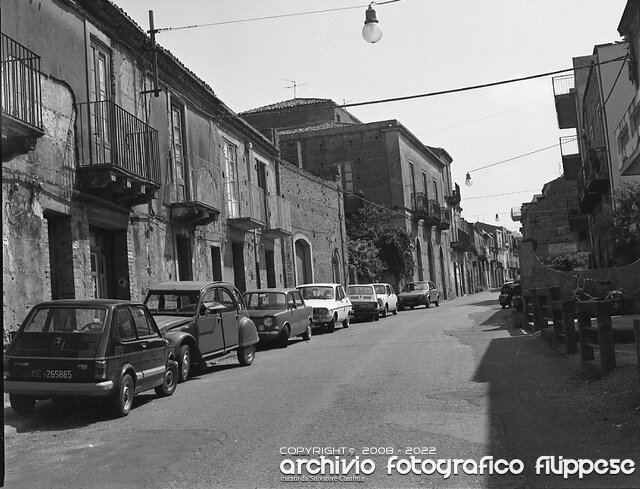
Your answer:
<point x="170" y="380"/>
<point x="395" y="311"/>
<point x="437" y="302"/>
<point x="22" y="404"/>
<point x="376" y="317"/>
<point x="503" y="306"/>
<point x="123" y="399"/>
<point x="411" y="307"/>
<point x="283" y="339"/>
<point x="246" y="355"/>
<point x="346" y="322"/>
<point x="385" y="311"/>
<point x="184" y="362"/>
<point x="428" y="303"/>
<point x="331" y="325"/>
<point x="307" y="334"/>
<point x="400" y="307"/>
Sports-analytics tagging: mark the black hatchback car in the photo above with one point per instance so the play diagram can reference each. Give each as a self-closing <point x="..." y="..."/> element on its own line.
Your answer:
<point x="111" y="349"/>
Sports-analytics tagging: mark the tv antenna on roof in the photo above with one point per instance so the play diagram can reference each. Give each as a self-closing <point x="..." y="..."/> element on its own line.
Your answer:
<point x="294" y="86"/>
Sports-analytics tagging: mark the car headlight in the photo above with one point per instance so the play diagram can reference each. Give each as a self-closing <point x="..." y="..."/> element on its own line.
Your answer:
<point x="268" y="322"/>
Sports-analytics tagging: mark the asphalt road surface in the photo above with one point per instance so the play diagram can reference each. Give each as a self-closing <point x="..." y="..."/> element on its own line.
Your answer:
<point x="452" y="382"/>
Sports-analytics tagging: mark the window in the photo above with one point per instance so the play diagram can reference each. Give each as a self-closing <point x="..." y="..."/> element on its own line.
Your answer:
<point x="347" y="176"/>
<point x="298" y="298"/>
<point x="412" y="175"/>
<point x="435" y="190"/>
<point x="226" y="300"/>
<point x="177" y="144"/>
<point x="424" y="183"/>
<point x="125" y="325"/>
<point x="141" y="322"/>
<point x="230" y="178"/>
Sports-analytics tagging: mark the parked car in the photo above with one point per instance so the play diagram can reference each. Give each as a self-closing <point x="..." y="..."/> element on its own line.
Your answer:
<point x="365" y="302"/>
<point x="418" y="293"/>
<point x="279" y="314"/>
<point x="330" y="305"/>
<point x="506" y="294"/>
<point x="389" y="298"/>
<point x="109" y="349"/>
<point x="205" y="320"/>
<point x="516" y="297"/>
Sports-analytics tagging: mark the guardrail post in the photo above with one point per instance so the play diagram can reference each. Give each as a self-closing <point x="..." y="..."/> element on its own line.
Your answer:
<point x="584" y="323"/>
<point x="636" y="335"/>
<point x="568" y="315"/>
<point x="605" y="336"/>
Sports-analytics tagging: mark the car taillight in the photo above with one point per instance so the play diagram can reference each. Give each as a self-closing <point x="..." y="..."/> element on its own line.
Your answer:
<point x="100" y="369"/>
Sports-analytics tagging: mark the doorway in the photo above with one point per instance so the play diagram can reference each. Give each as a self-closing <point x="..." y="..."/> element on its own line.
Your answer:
<point x="183" y="251"/>
<point x="239" y="279"/>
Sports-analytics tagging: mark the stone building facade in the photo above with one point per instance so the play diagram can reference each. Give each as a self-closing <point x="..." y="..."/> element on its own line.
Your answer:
<point x="380" y="162"/>
<point x="109" y="186"/>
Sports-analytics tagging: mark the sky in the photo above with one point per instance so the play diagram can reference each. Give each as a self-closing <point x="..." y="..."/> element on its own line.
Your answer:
<point x="427" y="46"/>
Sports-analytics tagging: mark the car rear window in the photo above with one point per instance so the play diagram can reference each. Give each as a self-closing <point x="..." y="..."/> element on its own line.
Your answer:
<point x="416" y="286"/>
<point x="265" y="300"/>
<point x="61" y="332"/>
<point x="360" y="290"/>
<point x="380" y="289"/>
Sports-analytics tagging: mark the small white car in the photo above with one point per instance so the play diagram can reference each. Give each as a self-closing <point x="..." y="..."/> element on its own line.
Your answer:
<point x="389" y="298"/>
<point x="330" y="305"/>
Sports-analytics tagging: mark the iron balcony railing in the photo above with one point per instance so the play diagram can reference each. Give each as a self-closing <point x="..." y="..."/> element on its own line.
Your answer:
<point x="111" y="136"/>
<point x="21" y="83"/>
<point x="445" y="218"/>
<point x="206" y="185"/>
<point x="245" y="201"/>
<point x="280" y="214"/>
<point x="419" y="205"/>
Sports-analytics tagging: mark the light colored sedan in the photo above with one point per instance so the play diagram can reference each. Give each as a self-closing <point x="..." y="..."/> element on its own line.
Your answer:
<point x="330" y="305"/>
<point x="389" y="298"/>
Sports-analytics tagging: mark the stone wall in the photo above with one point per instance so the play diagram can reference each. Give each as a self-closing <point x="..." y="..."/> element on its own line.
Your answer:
<point x="534" y="274"/>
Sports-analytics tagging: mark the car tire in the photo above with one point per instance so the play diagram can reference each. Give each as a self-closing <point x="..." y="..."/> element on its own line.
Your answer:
<point x="400" y="307"/>
<point x="395" y="311"/>
<point x="331" y="325"/>
<point x="307" y="334"/>
<point x="385" y="311"/>
<point x="184" y="363"/>
<point x="246" y="355"/>
<point x="22" y="404"/>
<point x="376" y="317"/>
<point x="283" y="339"/>
<point x="411" y="307"/>
<point x="503" y="306"/>
<point x="169" y="381"/>
<point x="437" y="302"/>
<point x="122" y="400"/>
<point x="346" y="322"/>
<point x="428" y="303"/>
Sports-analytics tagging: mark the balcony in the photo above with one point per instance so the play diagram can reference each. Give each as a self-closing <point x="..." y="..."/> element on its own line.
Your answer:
<point x="571" y="158"/>
<point x="119" y="158"/>
<point x="21" y="98"/>
<point x="445" y="219"/>
<point x="425" y="209"/>
<point x="462" y="242"/>
<point x="516" y="214"/>
<point x="279" y="222"/>
<point x="245" y="205"/>
<point x="454" y="198"/>
<point x="565" y="99"/>
<point x="204" y="194"/>
<point x="593" y="180"/>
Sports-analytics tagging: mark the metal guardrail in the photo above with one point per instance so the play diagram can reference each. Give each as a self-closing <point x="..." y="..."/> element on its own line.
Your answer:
<point x="21" y="83"/>
<point x="109" y="135"/>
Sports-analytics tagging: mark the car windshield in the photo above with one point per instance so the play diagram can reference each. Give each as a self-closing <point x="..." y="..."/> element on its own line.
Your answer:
<point x="173" y="302"/>
<point x="61" y="332"/>
<point x="360" y="290"/>
<point x="317" y="292"/>
<point x="416" y="286"/>
<point x="380" y="289"/>
<point x="265" y="300"/>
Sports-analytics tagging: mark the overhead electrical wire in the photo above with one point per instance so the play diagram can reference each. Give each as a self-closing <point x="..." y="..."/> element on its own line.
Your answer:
<point x="269" y="17"/>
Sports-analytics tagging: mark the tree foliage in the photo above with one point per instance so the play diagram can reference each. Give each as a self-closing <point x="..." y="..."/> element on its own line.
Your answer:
<point x="376" y="247"/>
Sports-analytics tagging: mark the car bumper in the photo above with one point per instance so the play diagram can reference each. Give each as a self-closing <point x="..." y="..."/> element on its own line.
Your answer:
<point x="268" y="335"/>
<point x="412" y="302"/>
<point x="72" y="389"/>
<point x="367" y="310"/>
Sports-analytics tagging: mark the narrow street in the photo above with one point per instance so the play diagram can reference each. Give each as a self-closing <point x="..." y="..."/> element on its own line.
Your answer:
<point x="453" y="382"/>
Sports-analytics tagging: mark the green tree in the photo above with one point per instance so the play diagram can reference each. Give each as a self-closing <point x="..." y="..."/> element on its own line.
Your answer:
<point x="377" y="247"/>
